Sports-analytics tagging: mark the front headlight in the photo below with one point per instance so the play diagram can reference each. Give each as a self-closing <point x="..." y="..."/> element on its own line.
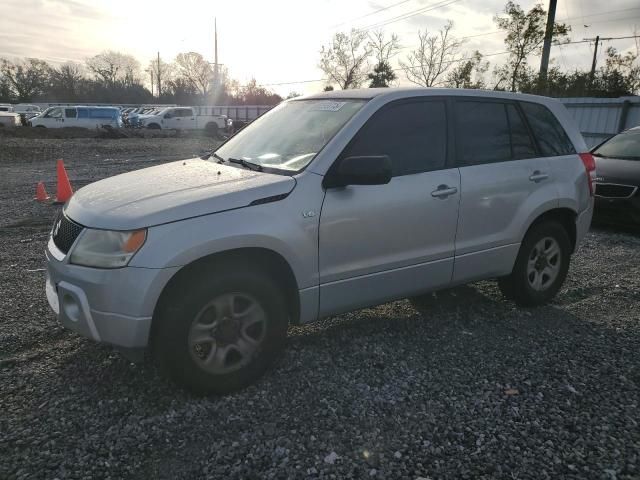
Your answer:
<point x="107" y="249"/>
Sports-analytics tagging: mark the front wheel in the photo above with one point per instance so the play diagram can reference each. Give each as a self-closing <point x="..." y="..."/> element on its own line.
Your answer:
<point x="212" y="129"/>
<point x="220" y="331"/>
<point x="541" y="266"/>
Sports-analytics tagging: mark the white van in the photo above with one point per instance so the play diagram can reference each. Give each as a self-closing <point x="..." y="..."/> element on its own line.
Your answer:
<point x="84" y="117"/>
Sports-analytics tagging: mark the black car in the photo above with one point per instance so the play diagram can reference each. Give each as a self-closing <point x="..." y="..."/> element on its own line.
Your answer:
<point x="617" y="192"/>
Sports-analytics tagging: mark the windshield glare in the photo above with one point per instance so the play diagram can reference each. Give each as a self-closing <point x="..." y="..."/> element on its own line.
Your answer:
<point x="290" y="135"/>
<point x="624" y="146"/>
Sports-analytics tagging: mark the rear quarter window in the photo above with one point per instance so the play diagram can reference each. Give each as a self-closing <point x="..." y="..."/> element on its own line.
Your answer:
<point x="550" y="136"/>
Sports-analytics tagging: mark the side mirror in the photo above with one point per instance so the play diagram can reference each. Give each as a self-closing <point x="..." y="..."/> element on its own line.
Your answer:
<point x="168" y="115"/>
<point x="366" y="170"/>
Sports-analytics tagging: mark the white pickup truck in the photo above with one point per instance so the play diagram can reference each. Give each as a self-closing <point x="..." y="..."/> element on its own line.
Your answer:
<point x="185" y="118"/>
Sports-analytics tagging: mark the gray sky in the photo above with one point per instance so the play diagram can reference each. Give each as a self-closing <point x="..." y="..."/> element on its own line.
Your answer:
<point x="279" y="41"/>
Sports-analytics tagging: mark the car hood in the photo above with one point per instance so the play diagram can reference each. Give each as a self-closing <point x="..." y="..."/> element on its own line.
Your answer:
<point x="171" y="192"/>
<point x="616" y="170"/>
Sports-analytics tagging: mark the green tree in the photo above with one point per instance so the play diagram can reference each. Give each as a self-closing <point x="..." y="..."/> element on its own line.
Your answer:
<point x="468" y="73"/>
<point x="524" y="37"/>
<point x="382" y="76"/>
<point x="383" y="49"/>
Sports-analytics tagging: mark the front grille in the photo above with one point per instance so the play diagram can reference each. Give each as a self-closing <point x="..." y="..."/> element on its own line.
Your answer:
<point x="65" y="232"/>
<point x="611" y="190"/>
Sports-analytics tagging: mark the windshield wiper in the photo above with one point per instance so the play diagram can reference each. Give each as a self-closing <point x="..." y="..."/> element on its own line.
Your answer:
<point x="246" y="164"/>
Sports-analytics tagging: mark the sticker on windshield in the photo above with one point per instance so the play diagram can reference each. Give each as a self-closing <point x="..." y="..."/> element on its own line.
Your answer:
<point x="328" y="106"/>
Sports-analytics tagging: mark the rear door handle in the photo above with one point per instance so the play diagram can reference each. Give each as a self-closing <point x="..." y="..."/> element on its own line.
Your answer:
<point x="443" y="191"/>
<point x="538" y="176"/>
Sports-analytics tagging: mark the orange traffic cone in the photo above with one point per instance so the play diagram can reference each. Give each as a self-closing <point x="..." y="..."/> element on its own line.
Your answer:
<point x="41" y="193"/>
<point x="64" y="187"/>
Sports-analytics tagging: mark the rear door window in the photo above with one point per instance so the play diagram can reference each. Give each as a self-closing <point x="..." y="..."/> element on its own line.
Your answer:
<point x="522" y="145"/>
<point x="482" y="132"/>
<point x="551" y="137"/>
<point x="83" y="113"/>
<point x="413" y="135"/>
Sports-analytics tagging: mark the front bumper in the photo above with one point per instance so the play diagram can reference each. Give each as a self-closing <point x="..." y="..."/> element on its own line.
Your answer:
<point x="618" y="210"/>
<point x="113" y="306"/>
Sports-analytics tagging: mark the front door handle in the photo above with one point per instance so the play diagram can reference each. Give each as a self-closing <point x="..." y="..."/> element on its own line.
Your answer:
<point x="538" y="176"/>
<point x="443" y="191"/>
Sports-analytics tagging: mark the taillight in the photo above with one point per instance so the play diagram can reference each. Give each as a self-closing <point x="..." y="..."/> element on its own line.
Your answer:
<point x="590" y="166"/>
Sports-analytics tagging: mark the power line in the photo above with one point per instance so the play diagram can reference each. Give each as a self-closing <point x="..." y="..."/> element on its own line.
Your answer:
<point x="410" y="14"/>
<point x="371" y="13"/>
<point x="394" y="70"/>
<point x="598" y="14"/>
<point x="590" y="40"/>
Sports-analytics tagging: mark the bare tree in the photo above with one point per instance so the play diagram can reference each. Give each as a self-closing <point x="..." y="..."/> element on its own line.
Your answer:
<point x="345" y="59"/>
<point x="525" y="36"/>
<point x="435" y="54"/>
<point x="26" y="79"/>
<point x="114" y="67"/>
<point x="193" y="68"/>
<point x="383" y="49"/>
<point x="67" y="79"/>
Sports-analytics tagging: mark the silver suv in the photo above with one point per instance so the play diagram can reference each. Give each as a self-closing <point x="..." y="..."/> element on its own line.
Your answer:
<point x="326" y="204"/>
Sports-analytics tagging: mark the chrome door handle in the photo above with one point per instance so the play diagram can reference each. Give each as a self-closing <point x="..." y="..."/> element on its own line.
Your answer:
<point x="538" y="176"/>
<point x="444" y="191"/>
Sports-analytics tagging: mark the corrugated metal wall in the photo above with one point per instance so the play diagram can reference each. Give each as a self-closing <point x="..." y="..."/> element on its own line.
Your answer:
<point x="599" y="118"/>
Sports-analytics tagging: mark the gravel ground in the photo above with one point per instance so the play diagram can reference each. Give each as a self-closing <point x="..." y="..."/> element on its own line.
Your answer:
<point x="468" y="387"/>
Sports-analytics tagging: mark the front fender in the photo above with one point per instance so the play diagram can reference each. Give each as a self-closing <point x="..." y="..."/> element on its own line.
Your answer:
<point x="277" y="226"/>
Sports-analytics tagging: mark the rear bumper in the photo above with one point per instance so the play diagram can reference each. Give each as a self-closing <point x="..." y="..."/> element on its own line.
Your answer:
<point x="583" y="223"/>
<point x="110" y="306"/>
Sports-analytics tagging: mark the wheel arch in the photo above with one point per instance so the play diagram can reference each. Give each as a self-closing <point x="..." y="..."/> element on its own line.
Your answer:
<point x="264" y="259"/>
<point x="565" y="216"/>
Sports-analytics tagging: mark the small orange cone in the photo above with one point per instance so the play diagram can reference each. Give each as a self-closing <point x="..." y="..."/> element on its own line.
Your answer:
<point x="64" y="187"/>
<point x="41" y="193"/>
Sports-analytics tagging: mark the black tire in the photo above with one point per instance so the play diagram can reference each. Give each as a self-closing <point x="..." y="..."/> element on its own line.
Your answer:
<point x="212" y="129"/>
<point x="170" y="340"/>
<point x="40" y="126"/>
<point x="518" y="285"/>
<point x="154" y="126"/>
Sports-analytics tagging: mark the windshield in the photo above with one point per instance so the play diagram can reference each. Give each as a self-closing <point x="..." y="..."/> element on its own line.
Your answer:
<point x="290" y="135"/>
<point x="625" y="146"/>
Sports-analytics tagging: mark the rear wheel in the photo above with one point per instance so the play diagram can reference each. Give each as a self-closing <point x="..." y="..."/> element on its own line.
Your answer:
<point x="541" y="266"/>
<point x="220" y="332"/>
<point x="212" y="129"/>
<point x="154" y="126"/>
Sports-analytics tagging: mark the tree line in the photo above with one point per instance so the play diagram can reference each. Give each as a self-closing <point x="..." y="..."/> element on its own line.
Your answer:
<point x="114" y="77"/>
<point x="351" y="60"/>
<point x="358" y="58"/>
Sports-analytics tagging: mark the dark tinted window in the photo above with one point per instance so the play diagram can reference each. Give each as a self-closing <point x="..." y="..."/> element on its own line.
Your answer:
<point x="551" y="137"/>
<point x="521" y="143"/>
<point x="70" y="112"/>
<point x="482" y="133"/>
<point x="414" y="135"/>
<point x="83" y="113"/>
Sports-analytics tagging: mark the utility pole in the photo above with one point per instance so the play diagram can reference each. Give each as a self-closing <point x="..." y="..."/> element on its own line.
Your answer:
<point x="159" y="80"/>
<point x="215" y="57"/>
<point x="595" y="53"/>
<point x="548" y="36"/>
